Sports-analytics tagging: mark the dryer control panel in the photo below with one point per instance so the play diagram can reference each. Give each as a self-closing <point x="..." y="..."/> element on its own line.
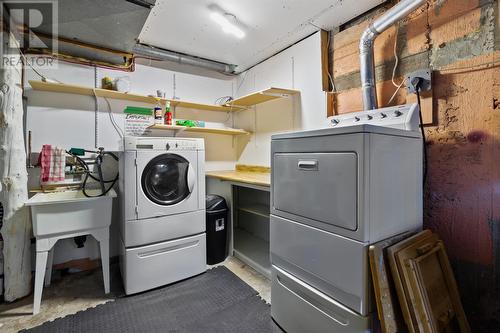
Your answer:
<point x="404" y="117"/>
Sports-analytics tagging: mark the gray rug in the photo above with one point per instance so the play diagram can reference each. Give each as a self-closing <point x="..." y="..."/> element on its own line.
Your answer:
<point x="216" y="301"/>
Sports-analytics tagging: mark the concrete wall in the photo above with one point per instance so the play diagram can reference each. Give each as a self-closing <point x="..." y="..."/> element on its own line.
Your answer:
<point x="459" y="41"/>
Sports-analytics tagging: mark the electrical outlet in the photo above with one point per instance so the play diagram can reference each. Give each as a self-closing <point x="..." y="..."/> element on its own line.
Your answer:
<point x="423" y="76"/>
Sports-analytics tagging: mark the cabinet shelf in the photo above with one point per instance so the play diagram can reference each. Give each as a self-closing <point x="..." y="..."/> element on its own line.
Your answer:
<point x="252" y="250"/>
<point x="256" y="209"/>
<point x="226" y="131"/>
<point x="235" y="105"/>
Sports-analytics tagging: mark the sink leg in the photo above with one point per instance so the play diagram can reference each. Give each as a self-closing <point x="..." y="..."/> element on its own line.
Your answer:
<point x="48" y="273"/>
<point x="104" y="247"/>
<point x="41" y="265"/>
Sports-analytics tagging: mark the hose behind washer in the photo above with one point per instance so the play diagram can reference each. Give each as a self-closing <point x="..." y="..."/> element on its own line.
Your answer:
<point x="88" y="173"/>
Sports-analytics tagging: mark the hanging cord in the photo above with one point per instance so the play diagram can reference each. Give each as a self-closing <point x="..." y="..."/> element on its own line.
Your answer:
<point x="394" y="95"/>
<point x="113" y="121"/>
<point x="43" y="77"/>
<point x="396" y="59"/>
<point x="88" y="173"/>
<point x="396" y="63"/>
<point x="423" y="131"/>
<point x="328" y="71"/>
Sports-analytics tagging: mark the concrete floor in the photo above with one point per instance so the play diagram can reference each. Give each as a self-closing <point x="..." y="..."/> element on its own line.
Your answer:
<point x="76" y="292"/>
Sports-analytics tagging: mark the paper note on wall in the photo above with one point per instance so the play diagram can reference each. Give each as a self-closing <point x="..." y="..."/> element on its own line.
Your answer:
<point x="137" y="121"/>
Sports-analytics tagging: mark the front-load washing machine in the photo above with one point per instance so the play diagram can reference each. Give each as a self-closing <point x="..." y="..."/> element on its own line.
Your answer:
<point x="162" y="195"/>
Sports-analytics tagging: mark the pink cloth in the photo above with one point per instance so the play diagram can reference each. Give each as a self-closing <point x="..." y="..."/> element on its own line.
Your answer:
<point x="52" y="163"/>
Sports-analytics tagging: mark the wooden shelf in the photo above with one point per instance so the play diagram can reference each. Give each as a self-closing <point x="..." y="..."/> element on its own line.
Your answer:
<point x="81" y="90"/>
<point x="226" y="131"/>
<point x="235" y="105"/>
<point x="262" y="96"/>
<point x="198" y="106"/>
<point x="246" y="177"/>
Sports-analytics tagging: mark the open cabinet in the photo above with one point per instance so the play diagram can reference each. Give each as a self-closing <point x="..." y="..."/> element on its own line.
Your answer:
<point x="251" y="227"/>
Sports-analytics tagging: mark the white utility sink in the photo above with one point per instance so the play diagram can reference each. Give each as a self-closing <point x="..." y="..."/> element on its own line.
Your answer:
<point x="63" y="215"/>
<point x="69" y="211"/>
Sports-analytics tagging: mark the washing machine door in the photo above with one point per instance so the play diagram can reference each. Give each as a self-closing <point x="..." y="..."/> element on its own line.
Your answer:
<point x="166" y="184"/>
<point x="165" y="180"/>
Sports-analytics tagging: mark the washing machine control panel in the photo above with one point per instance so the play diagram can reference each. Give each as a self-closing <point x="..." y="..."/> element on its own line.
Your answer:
<point x="403" y="117"/>
<point x="180" y="145"/>
<point x="168" y="144"/>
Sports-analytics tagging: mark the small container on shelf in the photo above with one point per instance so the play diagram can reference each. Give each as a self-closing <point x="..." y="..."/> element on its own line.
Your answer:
<point x="168" y="114"/>
<point x="158" y="112"/>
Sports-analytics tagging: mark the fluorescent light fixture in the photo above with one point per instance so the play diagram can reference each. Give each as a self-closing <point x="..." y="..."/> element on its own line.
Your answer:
<point x="227" y="26"/>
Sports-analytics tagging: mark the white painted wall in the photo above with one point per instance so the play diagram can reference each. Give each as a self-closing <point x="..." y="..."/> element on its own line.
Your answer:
<point x="68" y="120"/>
<point x="298" y="67"/>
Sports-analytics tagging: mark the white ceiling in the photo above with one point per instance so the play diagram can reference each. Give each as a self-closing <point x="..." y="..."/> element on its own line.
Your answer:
<point x="271" y="25"/>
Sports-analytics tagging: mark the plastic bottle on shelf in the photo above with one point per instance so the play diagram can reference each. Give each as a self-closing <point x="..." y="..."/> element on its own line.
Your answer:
<point x="158" y="112"/>
<point x="168" y="114"/>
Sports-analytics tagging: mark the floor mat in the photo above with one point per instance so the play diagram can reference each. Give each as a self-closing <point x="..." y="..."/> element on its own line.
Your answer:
<point x="216" y="301"/>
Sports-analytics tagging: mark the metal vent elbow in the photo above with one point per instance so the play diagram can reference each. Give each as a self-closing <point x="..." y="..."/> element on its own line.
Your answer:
<point x="366" y="56"/>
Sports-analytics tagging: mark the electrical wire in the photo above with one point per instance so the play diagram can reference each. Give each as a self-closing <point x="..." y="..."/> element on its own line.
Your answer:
<point x="96" y="111"/>
<point x="241" y="82"/>
<point x="223" y="100"/>
<point x="394" y="95"/>
<point x="396" y="59"/>
<point x="43" y="77"/>
<point x="331" y="82"/>
<point x="328" y="71"/>
<point x="423" y="132"/>
<point x="110" y="114"/>
<point x="396" y="63"/>
<point x="113" y="120"/>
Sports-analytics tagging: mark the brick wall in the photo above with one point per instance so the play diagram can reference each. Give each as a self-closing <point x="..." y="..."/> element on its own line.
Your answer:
<point x="459" y="40"/>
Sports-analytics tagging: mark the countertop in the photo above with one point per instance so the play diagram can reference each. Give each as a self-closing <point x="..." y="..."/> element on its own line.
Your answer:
<point x="255" y="175"/>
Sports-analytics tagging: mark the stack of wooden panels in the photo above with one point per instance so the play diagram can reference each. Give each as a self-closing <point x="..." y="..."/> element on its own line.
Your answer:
<point x="420" y="293"/>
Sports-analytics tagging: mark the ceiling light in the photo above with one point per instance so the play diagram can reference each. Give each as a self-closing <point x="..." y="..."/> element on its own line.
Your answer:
<point x="227" y="26"/>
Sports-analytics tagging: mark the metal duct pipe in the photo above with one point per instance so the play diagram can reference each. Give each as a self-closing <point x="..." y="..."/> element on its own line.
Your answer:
<point x="164" y="55"/>
<point x="367" y="63"/>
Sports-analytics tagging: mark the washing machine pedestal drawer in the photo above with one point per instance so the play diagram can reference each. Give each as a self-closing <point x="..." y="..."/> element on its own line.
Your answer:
<point x="151" y="266"/>
<point x="298" y="308"/>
